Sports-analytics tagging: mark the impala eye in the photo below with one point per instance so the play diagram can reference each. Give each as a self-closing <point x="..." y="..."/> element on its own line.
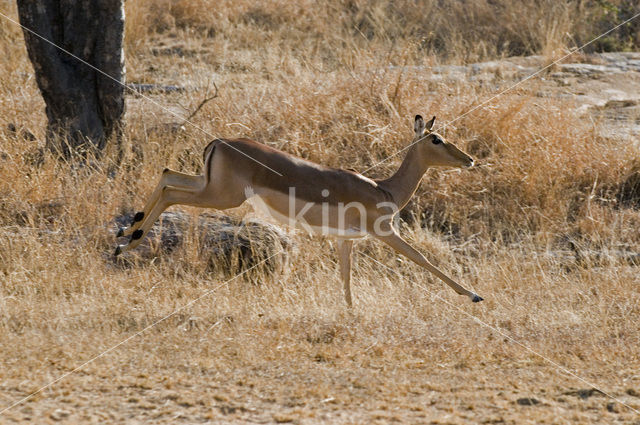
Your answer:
<point x="436" y="140"/>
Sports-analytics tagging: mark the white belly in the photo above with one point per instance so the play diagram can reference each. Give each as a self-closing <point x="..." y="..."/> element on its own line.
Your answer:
<point x="262" y="208"/>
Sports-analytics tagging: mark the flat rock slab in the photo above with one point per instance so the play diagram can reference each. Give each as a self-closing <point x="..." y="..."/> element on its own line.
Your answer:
<point x="605" y="86"/>
<point x="226" y="244"/>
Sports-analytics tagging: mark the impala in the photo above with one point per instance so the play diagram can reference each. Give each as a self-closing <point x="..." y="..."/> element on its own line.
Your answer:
<point x="340" y="203"/>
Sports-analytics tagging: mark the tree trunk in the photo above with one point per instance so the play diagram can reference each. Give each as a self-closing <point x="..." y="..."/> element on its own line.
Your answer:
<point x="84" y="107"/>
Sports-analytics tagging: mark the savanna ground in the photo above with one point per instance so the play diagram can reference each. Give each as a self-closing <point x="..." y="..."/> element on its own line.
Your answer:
<point x="545" y="229"/>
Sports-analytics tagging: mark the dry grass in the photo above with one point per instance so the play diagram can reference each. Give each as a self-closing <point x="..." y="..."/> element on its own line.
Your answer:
<point x="316" y="81"/>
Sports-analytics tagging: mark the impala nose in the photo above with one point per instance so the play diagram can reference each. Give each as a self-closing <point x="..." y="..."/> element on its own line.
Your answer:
<point x="470" y="163"/>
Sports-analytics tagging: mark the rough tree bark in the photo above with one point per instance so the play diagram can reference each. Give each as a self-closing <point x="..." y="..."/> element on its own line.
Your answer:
<point x="84" y="107"/>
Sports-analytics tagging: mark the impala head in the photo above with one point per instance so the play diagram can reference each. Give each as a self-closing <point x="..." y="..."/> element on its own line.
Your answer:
<point x="435" y="150"/>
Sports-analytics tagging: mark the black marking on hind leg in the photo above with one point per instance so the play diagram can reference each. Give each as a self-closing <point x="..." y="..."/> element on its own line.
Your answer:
<point x="138" y="217"/>
<point x="136" y="235"/>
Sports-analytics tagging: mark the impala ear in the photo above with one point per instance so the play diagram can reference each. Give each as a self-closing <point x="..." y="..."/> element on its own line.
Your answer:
<point x="418" y="126"/>
<point x="431" y="122"/>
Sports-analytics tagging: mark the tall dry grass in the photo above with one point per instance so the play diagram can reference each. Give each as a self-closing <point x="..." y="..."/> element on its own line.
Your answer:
<point x="537" y="228"/>
<point x="453" y="31"/>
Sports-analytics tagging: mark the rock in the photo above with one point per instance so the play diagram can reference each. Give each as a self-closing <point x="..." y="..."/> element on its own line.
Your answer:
<point x="155" y="88"/>
<point x="585" y="393"/>
<point x="527" y="401"/>
<point x="226" y="244"/>
<point x="587" y="69"/>
<point x="59" y="414"/>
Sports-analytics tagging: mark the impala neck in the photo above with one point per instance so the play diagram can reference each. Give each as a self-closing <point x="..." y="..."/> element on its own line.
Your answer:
<point x="403" y="184"/>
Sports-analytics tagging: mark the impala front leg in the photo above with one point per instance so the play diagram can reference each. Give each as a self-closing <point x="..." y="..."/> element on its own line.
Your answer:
<point x="169" y="178"/>
<point x="401" y="246"/>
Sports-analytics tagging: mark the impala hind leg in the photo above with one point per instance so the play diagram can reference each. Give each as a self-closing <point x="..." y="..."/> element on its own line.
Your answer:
<point x="401" y="246"/>
<point x="344" y="252"/>
<point x="169" y="178"/>
<point x="169" y="195"/>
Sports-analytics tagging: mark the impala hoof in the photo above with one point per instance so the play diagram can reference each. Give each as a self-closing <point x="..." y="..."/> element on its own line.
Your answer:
<point x="138" y="217"/>
<point x="118" y="251"/>
<point x="476" y="298"/>
<point x="120" y="232"/>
